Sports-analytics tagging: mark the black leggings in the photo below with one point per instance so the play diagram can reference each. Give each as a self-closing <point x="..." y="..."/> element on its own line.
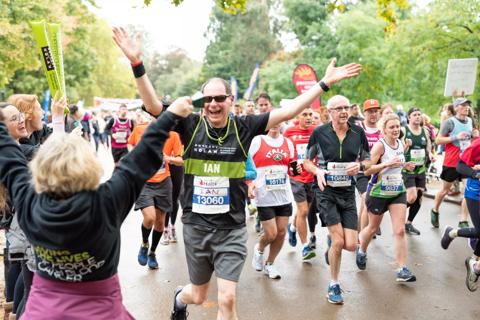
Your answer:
<point x="176" y="174"/>
<point x="474" y="210"/>
<point x="18" y="294"/>
<point x="14" y="270"/>
<point x="27" y="284"/>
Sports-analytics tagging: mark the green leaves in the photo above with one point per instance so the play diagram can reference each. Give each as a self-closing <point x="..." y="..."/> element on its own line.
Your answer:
<point x="92" y="65"/>
<point x="238" y="43"/>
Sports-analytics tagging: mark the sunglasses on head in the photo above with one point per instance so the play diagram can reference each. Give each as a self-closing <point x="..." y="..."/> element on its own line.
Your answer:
<point x="219" y="99"/>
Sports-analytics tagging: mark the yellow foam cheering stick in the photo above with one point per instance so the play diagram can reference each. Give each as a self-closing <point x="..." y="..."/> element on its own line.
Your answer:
<point x="50" y="66"/>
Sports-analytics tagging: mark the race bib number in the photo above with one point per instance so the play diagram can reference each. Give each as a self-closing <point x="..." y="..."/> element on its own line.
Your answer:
<point x="301" y="152"/>
<point x="275" y="181"/>
<point x="211" y="195"/>
<point x="121" y="137"/>
<point x="464" y="144"/>
<point x="418" y="156"/>
<point x="337" y="176"/>
<point x="392" y="184"/>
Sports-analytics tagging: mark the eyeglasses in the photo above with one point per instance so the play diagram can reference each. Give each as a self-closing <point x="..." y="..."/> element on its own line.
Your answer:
<point x="219" y="99"/>
<point x="341" y="108"/>
<point x="17" y="117"/>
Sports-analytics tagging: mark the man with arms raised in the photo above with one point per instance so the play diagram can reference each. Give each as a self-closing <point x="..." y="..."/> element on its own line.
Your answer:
<point x="215" y="153"/>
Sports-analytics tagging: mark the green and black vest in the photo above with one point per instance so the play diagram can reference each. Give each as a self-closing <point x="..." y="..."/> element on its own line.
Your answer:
<point x="215" y="189"/>
<point x="417" y="151"/>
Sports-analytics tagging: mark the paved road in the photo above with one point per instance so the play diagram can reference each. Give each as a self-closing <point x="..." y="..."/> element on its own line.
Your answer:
<point x="440" y="291"/>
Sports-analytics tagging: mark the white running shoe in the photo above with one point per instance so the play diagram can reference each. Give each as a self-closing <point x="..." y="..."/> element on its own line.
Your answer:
<point x="257" y="260"/>
<point x="173" y="235"/>
<point x="271" y="271"/>
<point x="165" y="239"/>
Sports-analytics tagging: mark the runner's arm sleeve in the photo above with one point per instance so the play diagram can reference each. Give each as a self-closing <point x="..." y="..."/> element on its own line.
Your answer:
<point x="136" y="168"/>
<point x="444" y="134"/>
<point x="257" y="124"/>
<point x="467" y="171"/>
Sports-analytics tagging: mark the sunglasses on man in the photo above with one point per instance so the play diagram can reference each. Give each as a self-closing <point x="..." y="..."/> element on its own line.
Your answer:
<point x="219" y="99"/>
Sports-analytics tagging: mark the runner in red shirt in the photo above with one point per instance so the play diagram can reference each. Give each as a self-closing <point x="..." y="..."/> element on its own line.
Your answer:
<point x="302" y="184"/>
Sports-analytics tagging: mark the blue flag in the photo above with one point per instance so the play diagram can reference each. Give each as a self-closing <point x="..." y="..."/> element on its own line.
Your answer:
<point x="253" y="83"/>
<point x="234" y="85"/>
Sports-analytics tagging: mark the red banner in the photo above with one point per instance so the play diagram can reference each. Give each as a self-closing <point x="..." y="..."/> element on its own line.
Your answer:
<point x="304" y="77"/>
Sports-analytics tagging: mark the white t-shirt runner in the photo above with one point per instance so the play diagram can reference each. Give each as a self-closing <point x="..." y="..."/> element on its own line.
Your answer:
<point x="272" y="157"/>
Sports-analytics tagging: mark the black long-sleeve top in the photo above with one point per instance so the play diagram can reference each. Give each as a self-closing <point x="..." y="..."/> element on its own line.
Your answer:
<point x="465" y="170"/>
<point x="78" y="238"/>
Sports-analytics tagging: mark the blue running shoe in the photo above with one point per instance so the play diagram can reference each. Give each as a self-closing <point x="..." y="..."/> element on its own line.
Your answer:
<point x="329" y="244"/>
<point x="405" y="275"/>
<point x="308" y="253"/>
<point x="361" y="259"/>
<point x="142" y="254"/>
<point x="334" y="294"/>
<point x="152" y="261"/>
<point x="292" y="236"/>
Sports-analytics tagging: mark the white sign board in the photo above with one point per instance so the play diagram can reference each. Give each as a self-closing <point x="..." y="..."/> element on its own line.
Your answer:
<point x="461" y="76"/>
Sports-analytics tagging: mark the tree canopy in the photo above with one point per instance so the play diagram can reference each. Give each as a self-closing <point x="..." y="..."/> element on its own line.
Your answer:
<point x="405" y="64"/>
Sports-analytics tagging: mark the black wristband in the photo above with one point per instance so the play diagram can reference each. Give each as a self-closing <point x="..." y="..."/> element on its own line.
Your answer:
<point x="138" y="70"/>
<point x="323" y="85"/>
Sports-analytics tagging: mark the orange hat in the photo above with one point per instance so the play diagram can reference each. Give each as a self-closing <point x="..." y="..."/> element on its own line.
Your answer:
<point x="370" y="104"/>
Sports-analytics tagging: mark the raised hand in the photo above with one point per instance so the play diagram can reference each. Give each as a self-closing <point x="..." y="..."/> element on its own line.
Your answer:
<point x="58" y="106"/>
<point x="132" y="49"/>
<point x="181" y="107"/>
<point x="334" y="74"/>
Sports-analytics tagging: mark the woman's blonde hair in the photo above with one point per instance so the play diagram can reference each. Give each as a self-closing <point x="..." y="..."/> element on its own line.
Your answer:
<point x="25" y="103"/>
<point x="385" y="120"/>
<point x="65" y="164"/>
